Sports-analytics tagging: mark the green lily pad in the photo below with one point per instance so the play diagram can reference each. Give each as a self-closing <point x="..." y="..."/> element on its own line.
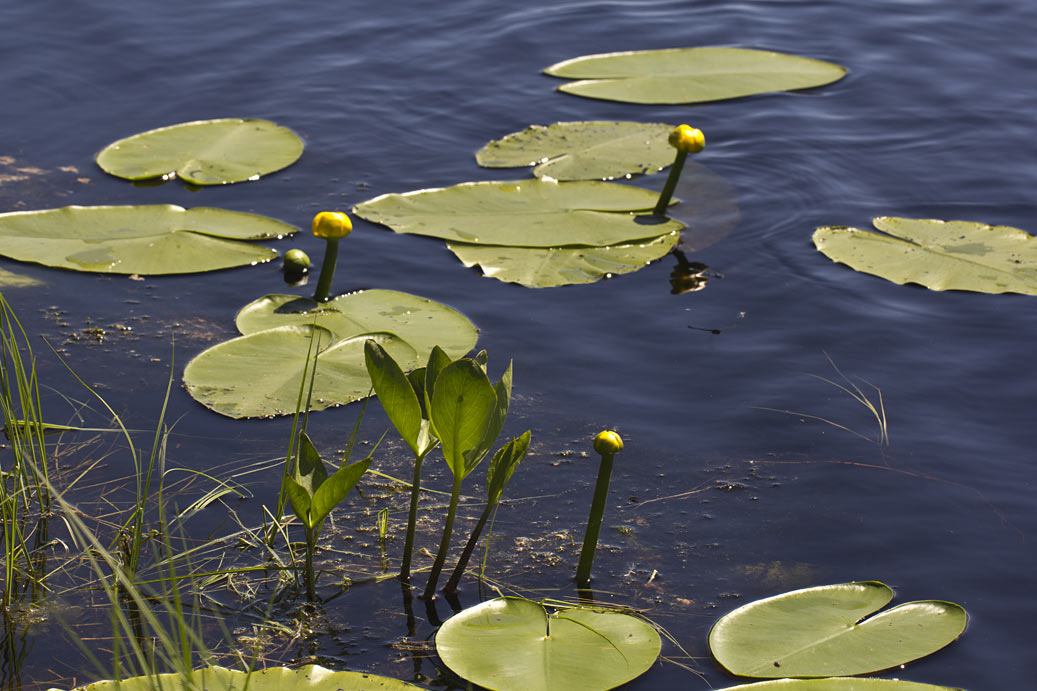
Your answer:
<point x="258" y="374"/>
<point x="583" y="150"/>
<point x="146" y="240"/>
<point x="524" y="213"/>
<point x="308" y="678"/>
<point x="512" y="643"/>
<point x="819" y="632"/>
<point x="421" y="322"/>
<point x="206" y="152"/>
<point x="940" y="255"/>
<point x="838" y="684"/>
<point x="690" y="75"/>
<point x="539" y="267"/>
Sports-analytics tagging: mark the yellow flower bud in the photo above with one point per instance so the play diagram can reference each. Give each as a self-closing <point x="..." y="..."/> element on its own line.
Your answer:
<point x="331" y="225"/>
<point x="687" y="139"/>
<point x="608" y="442"/>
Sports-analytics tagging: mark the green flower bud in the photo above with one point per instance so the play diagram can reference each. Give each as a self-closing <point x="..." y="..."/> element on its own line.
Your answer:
<point x="608" y="442"/>
<point x="332" y="225"/>
<point x="296" y="261"/>
<point x="687" y="139"/>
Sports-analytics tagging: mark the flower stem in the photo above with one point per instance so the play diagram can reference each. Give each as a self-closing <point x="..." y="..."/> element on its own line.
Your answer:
<point x="590" y="540"/>
<point x="412" y="519"/>
<point x="444" y="544"/>
<point x="327" y="270"/>
<point x="671" y="184"/>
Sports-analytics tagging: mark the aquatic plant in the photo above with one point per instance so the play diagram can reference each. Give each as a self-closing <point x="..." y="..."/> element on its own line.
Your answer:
<point x="205" y="152"/>
<point x="830" y="631"/>
<point x="499" y="471"/>
<point x="148" y="240"/>
<point x="838" y="684"/>
<point x="510" y="643"/>
<point x="258" y="374"/>
<point x="607" y="444"/>
<point x="313" y="494"/>
<point x="687" y="140"/>
<point x="305" y="678"/>
<point x="405" y="400"/>
<point x="296" y="265"/>
<point x="590" y="150"/>
<point x="330" y="226"/>
<point x="940" y="255"/>
<point x="690" y="75"/>
<point x="466" y="413"/>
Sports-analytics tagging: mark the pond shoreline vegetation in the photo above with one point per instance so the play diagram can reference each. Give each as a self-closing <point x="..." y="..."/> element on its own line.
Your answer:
<point x="335" y="349"/>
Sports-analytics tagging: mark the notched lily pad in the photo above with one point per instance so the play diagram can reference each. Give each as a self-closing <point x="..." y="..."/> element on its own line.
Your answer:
<point x="839" y="684"/>
<point x="145" y="240"/>
<point x="205" y="152"/>
<point x="545" y="267"/>
<point x="258" y="374"/>
<point x="512" y="643"/>
<point x="690" y="75"/>
<point x="830" y="631"/>
<point x="940" y="255"/>
<point x="523" y="213"/>
<point x="307" y="678"/>
<point x="596" y="150"/>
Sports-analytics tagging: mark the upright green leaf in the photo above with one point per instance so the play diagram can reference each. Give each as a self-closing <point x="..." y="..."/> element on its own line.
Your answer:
<point x="524" y="213"/>
<point x="596" y="150"/>
<point x="205" y="152"/>
<point x="462" y="403"/>
<point x="503" y="466"/>
<point x="438" y="360"/>
<point x="940" y="255"/>
<point x="333" y="490"/>
<point x="148" y="240"/>
<point x="690" y="75"/>
<point x="511" y="643"/>
<point x="819" y="631"/>
<point x="499" y="413"/>
<point x="395" y="393"/>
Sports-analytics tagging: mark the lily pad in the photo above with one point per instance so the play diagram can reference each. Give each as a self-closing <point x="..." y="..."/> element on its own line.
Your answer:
<point x="819" y="632"/>
<point x="839" y="684"/>
<point x="940" y="255"/>
<point x="205" y="152"/>
<point x="258" y="374"/>
<point x="583" y="150"/>
<point x="146" y="240"/>
<point x="308" y="678"/>
<point x="690" y="75"/>
<point x="526" y="213"/>
<point x="539" y="267"/>
<point x="512" y="643"/>
<point x="421" y="322"/>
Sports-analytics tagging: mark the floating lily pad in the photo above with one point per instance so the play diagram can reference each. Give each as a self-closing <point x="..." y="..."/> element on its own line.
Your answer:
<point x="690" y="75"/>
<point x="308" y="678"/>
<point x="146" y="240"/>
<point x="940" y="255"/>
<point x="259" y="373"/>
<point x="526" y="213"/>
<point x="421" y="322"/>
<point x="583" y="150"/>
<point x="539" y="267"/>
<point x="206" y="152"/>
<point x="819" y="632"/>
<point x="838" y="684"/>
<point x="512" y="643"/>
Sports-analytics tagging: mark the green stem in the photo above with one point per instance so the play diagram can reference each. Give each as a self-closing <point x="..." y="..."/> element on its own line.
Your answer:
<point x="327" y="270"/>
<point x="444" y="544"/>
<point x="590" y="540"/>
<point x="311" y="590"/>
<point x="473" y="540"/>
<point x="412" y="519"/>
<point x="671" y="184"/>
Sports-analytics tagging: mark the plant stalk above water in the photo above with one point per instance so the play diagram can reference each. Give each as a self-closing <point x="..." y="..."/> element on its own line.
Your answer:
<point x="687" y="140"/>
<point x="608" y="444"/>
<point x="331" y="226"/>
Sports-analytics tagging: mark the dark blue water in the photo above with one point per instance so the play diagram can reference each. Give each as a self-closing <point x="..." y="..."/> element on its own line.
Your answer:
<point x="934" y="120"/>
